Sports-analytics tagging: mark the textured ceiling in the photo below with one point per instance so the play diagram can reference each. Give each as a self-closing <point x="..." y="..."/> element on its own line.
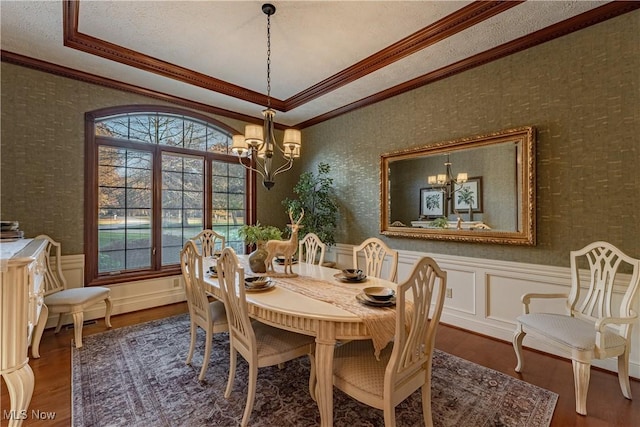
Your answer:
<point x="312" y="42"/>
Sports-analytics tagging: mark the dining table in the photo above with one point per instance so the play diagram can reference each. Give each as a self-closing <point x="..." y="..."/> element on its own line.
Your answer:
<point x="321" y="302"/>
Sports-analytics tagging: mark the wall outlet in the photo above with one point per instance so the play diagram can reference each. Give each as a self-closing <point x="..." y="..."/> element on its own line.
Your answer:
<point x="449" y="293"/>
<point x="176" y="283"/>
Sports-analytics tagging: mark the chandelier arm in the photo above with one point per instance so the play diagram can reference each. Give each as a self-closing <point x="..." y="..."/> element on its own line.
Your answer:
<point x="284" y="167"/>
<point x="251" y="168"/>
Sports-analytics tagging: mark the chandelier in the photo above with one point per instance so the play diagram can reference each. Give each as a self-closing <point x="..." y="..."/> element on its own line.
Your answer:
<point x="446" y="182"/>
<point x="258" y="142"/>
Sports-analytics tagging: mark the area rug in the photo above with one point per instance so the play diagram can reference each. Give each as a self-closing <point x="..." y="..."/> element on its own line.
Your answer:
<point x="137" y="376"/>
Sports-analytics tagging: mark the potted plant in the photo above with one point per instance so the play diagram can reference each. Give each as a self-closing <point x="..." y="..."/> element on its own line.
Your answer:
<point x="258" y="235"/>
<point x="440" y="223"/>
<point x="316" y="196"/>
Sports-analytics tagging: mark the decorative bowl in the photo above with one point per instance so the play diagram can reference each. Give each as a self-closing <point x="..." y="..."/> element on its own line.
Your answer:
<point x="257" y="282"/>
<point x="352" y="273"/>
<point x="379" y="293"/>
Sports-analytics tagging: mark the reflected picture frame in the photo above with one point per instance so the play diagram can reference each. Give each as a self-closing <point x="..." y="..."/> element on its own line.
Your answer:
<point x="474" y="185"/>
<point x="432" y="203"/>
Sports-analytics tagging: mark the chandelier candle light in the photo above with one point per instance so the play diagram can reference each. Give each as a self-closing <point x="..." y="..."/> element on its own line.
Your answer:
<point x="446" y="181"/>
<point x="258" y="142"/>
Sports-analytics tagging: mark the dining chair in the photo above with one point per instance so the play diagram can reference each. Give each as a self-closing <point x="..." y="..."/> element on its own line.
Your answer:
<point x="311" y="249"/>
<point x="259" y="344"/>
<point x="597" y="326"/>
<point x="375" y="251"/>
<point x="208" y="315"/>
<point x="209" y="242"/>
<point x="405" y="366"/>
<point x="62" y="300"/>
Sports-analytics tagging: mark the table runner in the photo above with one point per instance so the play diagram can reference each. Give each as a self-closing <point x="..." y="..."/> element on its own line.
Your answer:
<point x="380" y="321"/>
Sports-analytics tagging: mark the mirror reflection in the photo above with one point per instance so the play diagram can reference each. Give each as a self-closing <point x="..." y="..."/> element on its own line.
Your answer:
<point x="474" y="189"/>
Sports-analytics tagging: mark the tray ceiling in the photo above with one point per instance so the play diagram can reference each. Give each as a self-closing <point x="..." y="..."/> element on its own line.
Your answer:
<point x="328" y="57"/>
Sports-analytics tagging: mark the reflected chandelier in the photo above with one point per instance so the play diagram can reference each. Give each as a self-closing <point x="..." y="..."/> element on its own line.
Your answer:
<point x="258" y="142"/>
<point x="446" y="182"/>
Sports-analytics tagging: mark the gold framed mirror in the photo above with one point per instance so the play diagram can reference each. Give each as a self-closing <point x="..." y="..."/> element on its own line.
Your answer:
<point x="476" y="189"/>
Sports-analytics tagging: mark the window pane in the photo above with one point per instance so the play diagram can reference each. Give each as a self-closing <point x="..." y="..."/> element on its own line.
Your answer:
<point x="170" y="131"/>
<point x="124" y="210"/>
<point x="182" y="202"/>
<point x="218" y="142"/>
<point x="227" y="213"/>
<point x="195" y="136"/>
<point x="117" y="127"/>
<point x="142" y="128"/>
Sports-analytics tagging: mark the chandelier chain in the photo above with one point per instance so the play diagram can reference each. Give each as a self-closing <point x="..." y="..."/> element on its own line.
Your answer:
<point x="268" y="61"/>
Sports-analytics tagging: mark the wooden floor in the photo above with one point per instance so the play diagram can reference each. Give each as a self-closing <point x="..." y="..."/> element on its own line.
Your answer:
<point x="606" y="405"/>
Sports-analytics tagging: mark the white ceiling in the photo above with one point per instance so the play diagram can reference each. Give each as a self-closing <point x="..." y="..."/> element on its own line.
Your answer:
<point x="310" y="41"/>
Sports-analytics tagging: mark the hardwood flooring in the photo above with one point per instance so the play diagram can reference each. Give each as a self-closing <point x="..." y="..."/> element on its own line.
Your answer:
<point x="606" y="405"/>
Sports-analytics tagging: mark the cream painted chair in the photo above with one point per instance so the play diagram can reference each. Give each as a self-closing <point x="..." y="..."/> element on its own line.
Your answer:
<point x="597" y="326"/>
<point x="309" y="247"/>
<point x="62" y="300"/>
<point x="405" y="366"/>
<point x="209" y="242"/>
<point x="375" y="251"/>
<point x="210" y="316"/>
<point x="260" y="344"/>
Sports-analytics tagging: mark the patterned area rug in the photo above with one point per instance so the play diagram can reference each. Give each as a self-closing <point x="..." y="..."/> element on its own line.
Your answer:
<point x="136" y="376"/>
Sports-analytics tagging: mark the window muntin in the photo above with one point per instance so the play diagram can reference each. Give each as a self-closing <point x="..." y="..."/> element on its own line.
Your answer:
<point x="162" y="177"/>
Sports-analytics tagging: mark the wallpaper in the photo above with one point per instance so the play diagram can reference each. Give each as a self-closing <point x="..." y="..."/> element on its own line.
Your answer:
<point x="581" y="92"/>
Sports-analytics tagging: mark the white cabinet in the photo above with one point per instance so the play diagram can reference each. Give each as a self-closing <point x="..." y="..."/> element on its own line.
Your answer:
<point x="22" y="266"/>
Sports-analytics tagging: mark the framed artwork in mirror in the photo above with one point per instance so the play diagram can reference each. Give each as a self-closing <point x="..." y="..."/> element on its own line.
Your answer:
<point x="432" y="203"/>
<point x="468" y="193"/>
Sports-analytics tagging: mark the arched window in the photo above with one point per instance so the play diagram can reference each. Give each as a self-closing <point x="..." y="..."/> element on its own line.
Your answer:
<point x="155" y="177"/>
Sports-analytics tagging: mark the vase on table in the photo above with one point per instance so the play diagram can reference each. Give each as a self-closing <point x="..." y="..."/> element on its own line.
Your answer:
<point x="257" y="258"/>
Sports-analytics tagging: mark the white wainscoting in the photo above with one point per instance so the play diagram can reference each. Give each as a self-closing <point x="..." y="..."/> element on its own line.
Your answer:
<point x="485" y="294"/>
<point x="126" y="297"/>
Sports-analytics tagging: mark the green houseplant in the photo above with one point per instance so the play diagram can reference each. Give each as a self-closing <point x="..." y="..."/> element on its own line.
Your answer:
<point x="258" y="235"/>
<point x="316" y="196"/>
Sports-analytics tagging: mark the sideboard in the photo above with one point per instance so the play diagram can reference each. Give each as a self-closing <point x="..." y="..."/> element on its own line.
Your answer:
<point x="22" y="267"/>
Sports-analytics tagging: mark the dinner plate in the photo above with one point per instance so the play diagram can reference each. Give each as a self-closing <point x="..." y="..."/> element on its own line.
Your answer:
<point x="364" y="299"/>
<point x="269" y="285"/>
<point x="343" y="278"/>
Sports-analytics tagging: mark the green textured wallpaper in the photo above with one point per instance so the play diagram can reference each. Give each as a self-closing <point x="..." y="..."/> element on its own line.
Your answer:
<point x="42" y="150"/>
<point x="581" y="92"/>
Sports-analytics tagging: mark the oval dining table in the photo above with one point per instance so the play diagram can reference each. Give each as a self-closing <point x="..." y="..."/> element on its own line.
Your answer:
<point x="316" y="303"/>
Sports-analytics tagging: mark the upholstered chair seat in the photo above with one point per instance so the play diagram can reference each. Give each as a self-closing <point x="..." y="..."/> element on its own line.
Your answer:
<point x="595" y="326"/>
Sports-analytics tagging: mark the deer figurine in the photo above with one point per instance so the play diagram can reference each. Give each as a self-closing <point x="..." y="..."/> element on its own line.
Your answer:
<point x="286" y="248"/>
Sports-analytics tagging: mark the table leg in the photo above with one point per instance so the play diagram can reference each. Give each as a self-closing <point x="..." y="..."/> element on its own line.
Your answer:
<point x="20" y="385"/>
<point x="37" y="334"/>
<point x="325" y="345"/>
